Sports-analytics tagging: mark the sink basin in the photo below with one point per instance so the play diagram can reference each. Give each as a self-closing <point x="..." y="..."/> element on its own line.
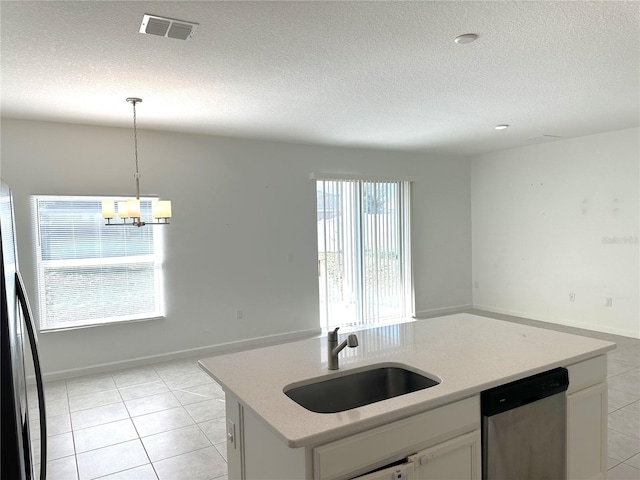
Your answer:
<point x="356" y="389"/>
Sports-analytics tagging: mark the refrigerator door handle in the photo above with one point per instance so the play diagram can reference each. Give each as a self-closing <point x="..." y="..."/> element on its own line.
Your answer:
<point x="33" y="343"/>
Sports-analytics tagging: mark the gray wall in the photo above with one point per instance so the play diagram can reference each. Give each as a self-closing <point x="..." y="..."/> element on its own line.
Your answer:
<point x="243" y="234"/>
<point x="556" y="219"/>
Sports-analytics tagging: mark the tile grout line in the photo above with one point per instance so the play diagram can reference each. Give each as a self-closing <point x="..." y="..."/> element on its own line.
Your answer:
<point x="155" y="472"/>
<point x="615" y="409"/>
<point x="626" y="435"/>
<point x="106" y="423"/>
<point x="618" y="462"/>
<point x="184" y="453"/>
<point x="138" y="433"/>
<point x="73" y="435"/>
<point x="623" y="461"/>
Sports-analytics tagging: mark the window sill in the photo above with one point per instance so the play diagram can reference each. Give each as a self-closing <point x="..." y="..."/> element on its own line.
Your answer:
<point x="100" y="324"/>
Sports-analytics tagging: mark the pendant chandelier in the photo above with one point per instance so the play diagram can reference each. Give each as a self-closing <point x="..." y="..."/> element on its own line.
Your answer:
<point x="129" y="210"/>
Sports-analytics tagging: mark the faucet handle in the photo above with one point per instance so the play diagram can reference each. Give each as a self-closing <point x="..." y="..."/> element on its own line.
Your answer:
<point x="333" y="335"/>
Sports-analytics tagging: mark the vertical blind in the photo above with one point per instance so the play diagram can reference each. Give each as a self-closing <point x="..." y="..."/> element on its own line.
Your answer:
<point x="89" y="273"/>
<point x="363" y="251"/>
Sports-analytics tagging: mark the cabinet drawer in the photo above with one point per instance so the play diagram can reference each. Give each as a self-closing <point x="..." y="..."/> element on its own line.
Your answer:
<point x="368" y="450"/>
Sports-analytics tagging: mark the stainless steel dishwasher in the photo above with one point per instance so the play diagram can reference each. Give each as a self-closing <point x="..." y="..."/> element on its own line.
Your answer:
<point x="524" y="428"/>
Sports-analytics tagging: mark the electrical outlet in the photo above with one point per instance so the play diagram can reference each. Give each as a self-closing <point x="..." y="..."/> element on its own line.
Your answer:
<point x="572" y="297"/>
<point x="239" y="314"/>
<point x="475" y="284"/>
<point x="608" y="302"/>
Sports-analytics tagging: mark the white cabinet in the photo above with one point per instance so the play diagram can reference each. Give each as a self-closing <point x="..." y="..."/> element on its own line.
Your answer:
<point x="587" y="420"/>
<point x="458" y="458"/>
<point x="587" y="433"/>
<point x="446" y="439"/>
<point x="455" y="459"/>
<point x="443" y="436"/>
<point x="442" y="443"/>
<point x="255" y="452"/>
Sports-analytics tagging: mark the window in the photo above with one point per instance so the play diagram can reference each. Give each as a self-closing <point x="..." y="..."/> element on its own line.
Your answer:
<point x="364" y="261"/>
<point x="89" y="273"/>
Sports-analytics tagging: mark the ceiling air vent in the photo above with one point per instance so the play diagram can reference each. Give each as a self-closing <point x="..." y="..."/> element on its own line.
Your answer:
<point x="167" y="27"/>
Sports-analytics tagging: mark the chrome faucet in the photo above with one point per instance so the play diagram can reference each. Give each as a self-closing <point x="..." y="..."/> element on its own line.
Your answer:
<point x="335" y="349"/>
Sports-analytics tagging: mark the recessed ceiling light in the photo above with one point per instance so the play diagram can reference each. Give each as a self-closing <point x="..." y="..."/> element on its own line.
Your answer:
<point x="501" y="127"/>
<point x="466" y="38"/>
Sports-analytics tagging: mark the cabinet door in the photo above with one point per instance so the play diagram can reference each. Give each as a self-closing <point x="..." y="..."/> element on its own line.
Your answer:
<point x="365" y="451"/>
<point x="587" y="433"/>
<point x="456" y="459"/>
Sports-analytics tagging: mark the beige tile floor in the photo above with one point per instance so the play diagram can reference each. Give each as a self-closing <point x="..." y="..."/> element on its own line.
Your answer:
<point x="166" y="421"/>
<point x="162" y="421"/>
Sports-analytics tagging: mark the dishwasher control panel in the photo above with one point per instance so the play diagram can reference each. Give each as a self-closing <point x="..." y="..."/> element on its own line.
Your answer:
<point x="521" y="392"/>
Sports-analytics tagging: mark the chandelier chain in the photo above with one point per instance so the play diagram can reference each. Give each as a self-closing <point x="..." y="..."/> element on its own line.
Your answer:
<point x="129" y="210"/>
<point x="135" y="142"/>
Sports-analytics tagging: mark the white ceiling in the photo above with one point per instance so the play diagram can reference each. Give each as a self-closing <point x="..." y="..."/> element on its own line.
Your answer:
<point x="376" y="74"/>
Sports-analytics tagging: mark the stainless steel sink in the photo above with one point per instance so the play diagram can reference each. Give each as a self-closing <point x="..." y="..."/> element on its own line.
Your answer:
<point x="356" y="389"/>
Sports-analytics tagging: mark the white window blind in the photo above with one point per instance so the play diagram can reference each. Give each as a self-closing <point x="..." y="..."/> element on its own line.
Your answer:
<point x="364" y="257"/>
<point x="89" y="273"/>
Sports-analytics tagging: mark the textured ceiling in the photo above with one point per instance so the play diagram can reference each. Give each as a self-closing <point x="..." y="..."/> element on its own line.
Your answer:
<point x="377" y="74"/>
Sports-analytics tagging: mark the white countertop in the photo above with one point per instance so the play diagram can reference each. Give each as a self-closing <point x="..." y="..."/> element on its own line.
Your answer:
<point x="468" y="353"/>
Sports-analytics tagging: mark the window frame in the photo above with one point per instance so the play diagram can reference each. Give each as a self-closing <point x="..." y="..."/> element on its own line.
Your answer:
<point x="156" y="259"/>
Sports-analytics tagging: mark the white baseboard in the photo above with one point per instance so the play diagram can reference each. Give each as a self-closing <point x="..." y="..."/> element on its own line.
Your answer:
<point x="436" y="312"/>
<point x="211" y="350"/>
<point x="567" y="323"/>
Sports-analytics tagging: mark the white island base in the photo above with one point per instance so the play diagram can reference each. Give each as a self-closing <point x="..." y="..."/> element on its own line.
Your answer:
<point x="430" y="435"/>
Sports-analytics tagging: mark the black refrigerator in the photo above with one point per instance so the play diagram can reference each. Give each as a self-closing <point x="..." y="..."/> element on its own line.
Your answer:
<point x="17" y="334"/>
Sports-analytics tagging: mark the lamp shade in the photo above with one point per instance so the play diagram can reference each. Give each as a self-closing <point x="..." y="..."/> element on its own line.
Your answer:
<point x="162" y="209"/>
<point x="134" y="208"/>
<point x="123" y="210"/>
<point x="108" y="209"/>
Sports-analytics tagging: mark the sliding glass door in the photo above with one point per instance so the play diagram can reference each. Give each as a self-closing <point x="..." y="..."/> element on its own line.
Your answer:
<point x="363" y="251"/>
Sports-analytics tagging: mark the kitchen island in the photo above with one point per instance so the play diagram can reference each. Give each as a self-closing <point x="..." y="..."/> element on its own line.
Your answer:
<point x="271" y="436"/>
